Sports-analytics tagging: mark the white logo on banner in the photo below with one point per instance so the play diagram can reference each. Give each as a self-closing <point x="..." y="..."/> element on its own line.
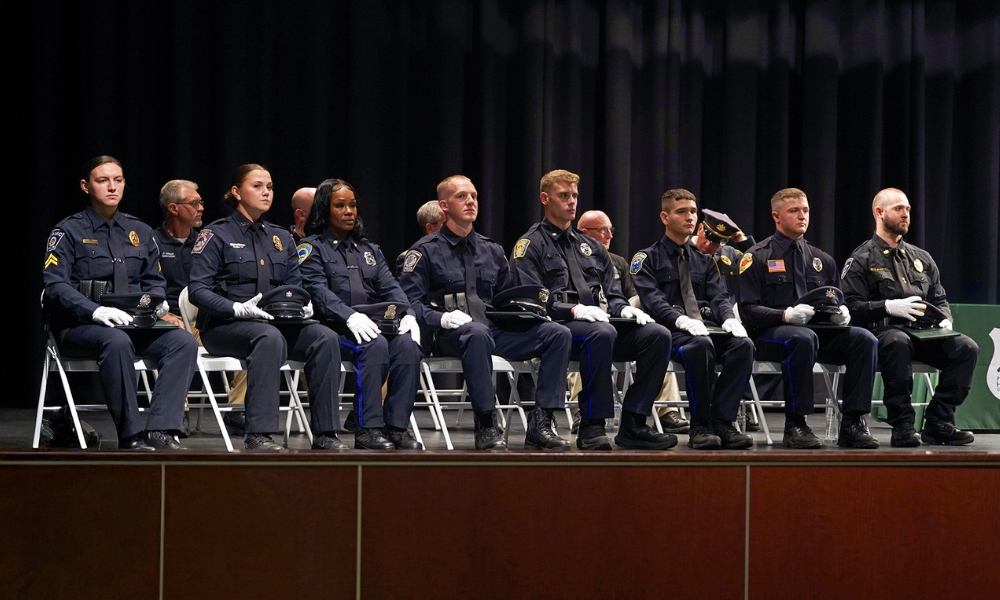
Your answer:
<point x="993" y="372"/>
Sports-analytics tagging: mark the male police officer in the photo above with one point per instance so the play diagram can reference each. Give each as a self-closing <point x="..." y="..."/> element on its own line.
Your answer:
<point x="577" y="271"/>
<point x="674" y="281"/>
<point x="886" y="282"/>
<point x="774" y="273"/>
<point x="449" y="276"/>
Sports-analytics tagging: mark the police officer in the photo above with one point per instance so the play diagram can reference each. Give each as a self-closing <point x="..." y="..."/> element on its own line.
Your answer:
<point x="235" y="261"/>
<point x="182" y="208"/>
<point x="345" y="273"/>
<point x="302" y="201"/>
<point x="449" y="276"/>
<point x="773" y="274"/>
<point x="674" y="281"/>
<point x="886" y="282"/>
<point x="578" y="273"/>
<point x="97" y="254"/>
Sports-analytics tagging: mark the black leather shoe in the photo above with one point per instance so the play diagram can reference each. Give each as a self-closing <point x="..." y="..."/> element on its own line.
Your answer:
<point x="575" y="428"/>
<point x="634" y="434"/>
<point x="591" y="435"/>
<point x="489" y="434"/>
<point x="329" y="441"/>
<point x="371" y="438"/>
<point x="540" y="434"/>
<point x="854" y="434"/>
<point x="161" y="440"/>
<point x="943" y="433"/>
<point x="135" y="442"/>
<point x="258" y="442"/>
<point x="731" y="437"/>
<point x="185" y="431"/>
<point x="752" y="424"/>
<point x="800" y="437"/>
<point x="351" y="422"/>
<point x="672" y="422"/>
<point x="402" y="439"/>
<point x="700" y="437"/>
<point x="904" y="436"/>
<point x="235" y="422"/>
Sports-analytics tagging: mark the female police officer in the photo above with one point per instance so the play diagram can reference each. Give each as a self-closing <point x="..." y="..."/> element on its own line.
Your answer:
<point x="350" y="283"/>
<point x="101" y="273"/>
<point x="235" y="261"/>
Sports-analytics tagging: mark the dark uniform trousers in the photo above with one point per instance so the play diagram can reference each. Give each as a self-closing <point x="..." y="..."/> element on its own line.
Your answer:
<point x="396" y="357"/>
<point x="955" y="356"/>
<point x="175" y="353"/>
<point x="596" y="345"/>
<point x="475" y="343"/>
<point x="266" y="347"/>
<point x="798" y="348"/>
<point x="711" y="395"/>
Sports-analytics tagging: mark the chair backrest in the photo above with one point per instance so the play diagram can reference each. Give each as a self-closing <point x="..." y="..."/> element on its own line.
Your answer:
<point x="189" y="312"/>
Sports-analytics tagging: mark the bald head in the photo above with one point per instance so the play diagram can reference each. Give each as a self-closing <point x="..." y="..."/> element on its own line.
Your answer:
<point x="597" y="224"/>
<point x="891" y="210"/>
<point x="302" y="201"/>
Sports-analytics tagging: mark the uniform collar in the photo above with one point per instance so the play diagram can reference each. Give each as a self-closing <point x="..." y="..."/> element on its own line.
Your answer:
<point x="784" y="242"/>
<point x="338" y="242"/>
<point x="886" y="249"/>
<point x="558" y="235"/>
<point x="96" y="220"/>
<point x="671" y="246"/>
<point x="454" y="240"/>
<point x="243" y="222"/>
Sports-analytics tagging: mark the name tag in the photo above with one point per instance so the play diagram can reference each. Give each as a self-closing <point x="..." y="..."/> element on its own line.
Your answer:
<point x="776" y="266"/>
<point x="237" y="245"/>
<point x="167" y="255"/>
<point x="86" y="241"/>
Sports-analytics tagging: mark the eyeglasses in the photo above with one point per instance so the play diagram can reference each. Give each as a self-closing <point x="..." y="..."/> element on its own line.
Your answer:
<point x="194" y="203"/>
<point x="601" y="230"/>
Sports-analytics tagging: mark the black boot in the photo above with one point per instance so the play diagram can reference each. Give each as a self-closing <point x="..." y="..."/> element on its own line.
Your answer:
<point x="943" y="433"/>
<point x="854" y="434"/>
<point x="730" y="437"/>
<point x="489" y="435"/>
<point x="634" y="434"/>
<point x="904" y="436"/>
<point x="540" y="434"/>
<point x="592" y="436"/>
<point x="701" y="437"/>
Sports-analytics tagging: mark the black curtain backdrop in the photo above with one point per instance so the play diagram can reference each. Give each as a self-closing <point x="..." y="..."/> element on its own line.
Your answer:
<point x="730" y="99"/>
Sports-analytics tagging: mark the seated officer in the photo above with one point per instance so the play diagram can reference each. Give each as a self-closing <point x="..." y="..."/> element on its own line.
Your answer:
<point x="887" y="282"/>
<point x="774" y="273"/>
<point x="449" y="276"/>
<point x="578" y="273"/>
<point x="102" y="275"/>
<point x="674" y="281"/>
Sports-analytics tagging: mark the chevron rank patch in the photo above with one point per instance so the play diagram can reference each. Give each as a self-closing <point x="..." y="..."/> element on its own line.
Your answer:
<point x="745" y="262"/>
<point x="521" y="248"/>
<point x="304" y="250"/>
<point x="51" y="261"/>
<point x="636" y="264"/>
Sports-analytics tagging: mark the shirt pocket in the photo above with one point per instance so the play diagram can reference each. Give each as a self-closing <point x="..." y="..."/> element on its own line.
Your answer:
<point x="884" y="282"/>
<point x="556" y="275"/>
<point x="240" y="263"/>
<point x="135" y="258"/>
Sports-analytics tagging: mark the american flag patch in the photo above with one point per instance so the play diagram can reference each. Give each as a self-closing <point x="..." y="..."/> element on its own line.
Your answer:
<point x="776" y="266"/>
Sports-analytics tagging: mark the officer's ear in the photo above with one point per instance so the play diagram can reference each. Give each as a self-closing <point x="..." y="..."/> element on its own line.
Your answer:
<point x="235" y="191"/>
<point x="544" y="197"/>
<point x="84" y="186"/>
<point x="663" y="217"/>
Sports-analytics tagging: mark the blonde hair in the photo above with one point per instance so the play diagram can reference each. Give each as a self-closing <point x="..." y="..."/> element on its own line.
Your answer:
<point x="550" y="179"/>
<point x="780" y="196"/>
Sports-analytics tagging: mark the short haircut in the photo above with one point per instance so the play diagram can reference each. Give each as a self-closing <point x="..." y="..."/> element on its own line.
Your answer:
<point x="780" y="196"/>
<point x="429" y="212"/>
<point x="884" y="196"/>
<point x="444" y="188"/>
<point x="550" y="179"/>
<point x="669" y="196"/>
<point x="172" y="192"/>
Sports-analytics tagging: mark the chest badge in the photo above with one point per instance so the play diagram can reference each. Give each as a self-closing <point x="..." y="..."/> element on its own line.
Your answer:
<point x="277" y="243"/>
<point x="919" y="266"/>
<point x="726" y="261"/>
<point x="585" y="249"/>
<point x="133" y="237"/>
<point x="817" y="264"/>
<point x="370" y="261"/>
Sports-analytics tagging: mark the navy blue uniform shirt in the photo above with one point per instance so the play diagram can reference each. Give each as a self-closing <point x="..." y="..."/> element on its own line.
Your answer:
<point x="175" y="261"/>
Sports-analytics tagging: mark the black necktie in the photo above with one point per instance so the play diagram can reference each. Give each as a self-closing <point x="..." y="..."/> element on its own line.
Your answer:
<point x="120" y="283"/>
<point x="358" y="293"/>
<point x="798" y="268"/>
<point x="576" y="272"/>
<point x="476" y="307"/>
<point x="687" y="290"/>
<point x="899" y="267"/>
<point x="263" y="273"/>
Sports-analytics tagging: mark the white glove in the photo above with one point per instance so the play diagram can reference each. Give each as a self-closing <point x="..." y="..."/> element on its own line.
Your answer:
<point x="582" y="312"/>
<point x="454" y="319"/>
<point x="799" y="314"/>
<point x="162" y="309"/>
<point x="734" y="327"/>
<point x="307" y="310"/>
<point x="631" y="312"/>
<point x="907" y="308"/>
<point x="249" y="310"/>
<point x="692" y="326"/>
<point x="363" y="328"/>
<point x="946" y="324"/>
<point x="408" y="324"/>
<point x="841" y="318"/>
<point x="110" y="316"/>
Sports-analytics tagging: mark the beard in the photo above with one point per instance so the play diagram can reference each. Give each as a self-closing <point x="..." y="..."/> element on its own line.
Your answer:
<point x="897" y="227"/>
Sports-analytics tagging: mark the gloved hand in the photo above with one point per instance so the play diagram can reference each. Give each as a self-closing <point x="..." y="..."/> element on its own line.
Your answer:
<point x="408" y="324"/>
<point x="307" y="310"/>
<point x="841" y="318"/>
<point x="946" y="324"/>
<point x="363" y="328"/>
<point x="734" y="327"/>
<point x="162" y="309"/>
<point x="907" y="308"/>
<point x="799" y="314"/>
<point x="110" y="316"/>
<point x="631" y="312"/>
<point x="583" y="312"/>
<point x="692" y="326"/>
<point x="249" y="310"/>
<point x="454" y="319"/>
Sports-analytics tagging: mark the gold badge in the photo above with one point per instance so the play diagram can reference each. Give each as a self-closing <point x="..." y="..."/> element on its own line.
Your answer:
<point x="830" y="293"/>
<point x="390" y="312"/>
<point x="277" y="243"/>
<point x="721" y="227"/>
<point x="725" y="260"/>
<point x="919" y="266"/>
<point x="817" y="264"/>
<point x="745" y="262"/>
<point x="133" y="237"/>
<point x="543" y="295"/>
<point x="886" y="251"/>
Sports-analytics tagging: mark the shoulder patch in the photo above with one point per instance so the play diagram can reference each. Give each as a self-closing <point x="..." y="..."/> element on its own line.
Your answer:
<point x="745" y="262"/>
<point x="636" y="264"/>
<point x="203" y="237"/>
<point x="847" y="267"/>
<point x="54" y="238"/>
<point x="411" y="260"/>
<point x="521" y="248"/>
<point x="304" y="250"/>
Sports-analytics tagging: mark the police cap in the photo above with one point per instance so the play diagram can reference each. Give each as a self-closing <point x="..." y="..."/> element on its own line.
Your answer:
<point x="718" y="227"/>
<point x="141" y="306"/>
<point x="933" y="316"/>
<point x="825" y="300"/>
<point x="520" y="307"/>
<point x="285" y="302"/>
<point x="384" y="314"/>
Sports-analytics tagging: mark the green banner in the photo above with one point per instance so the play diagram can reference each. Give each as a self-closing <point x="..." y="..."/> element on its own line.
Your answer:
<point x="981" y="322"/>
